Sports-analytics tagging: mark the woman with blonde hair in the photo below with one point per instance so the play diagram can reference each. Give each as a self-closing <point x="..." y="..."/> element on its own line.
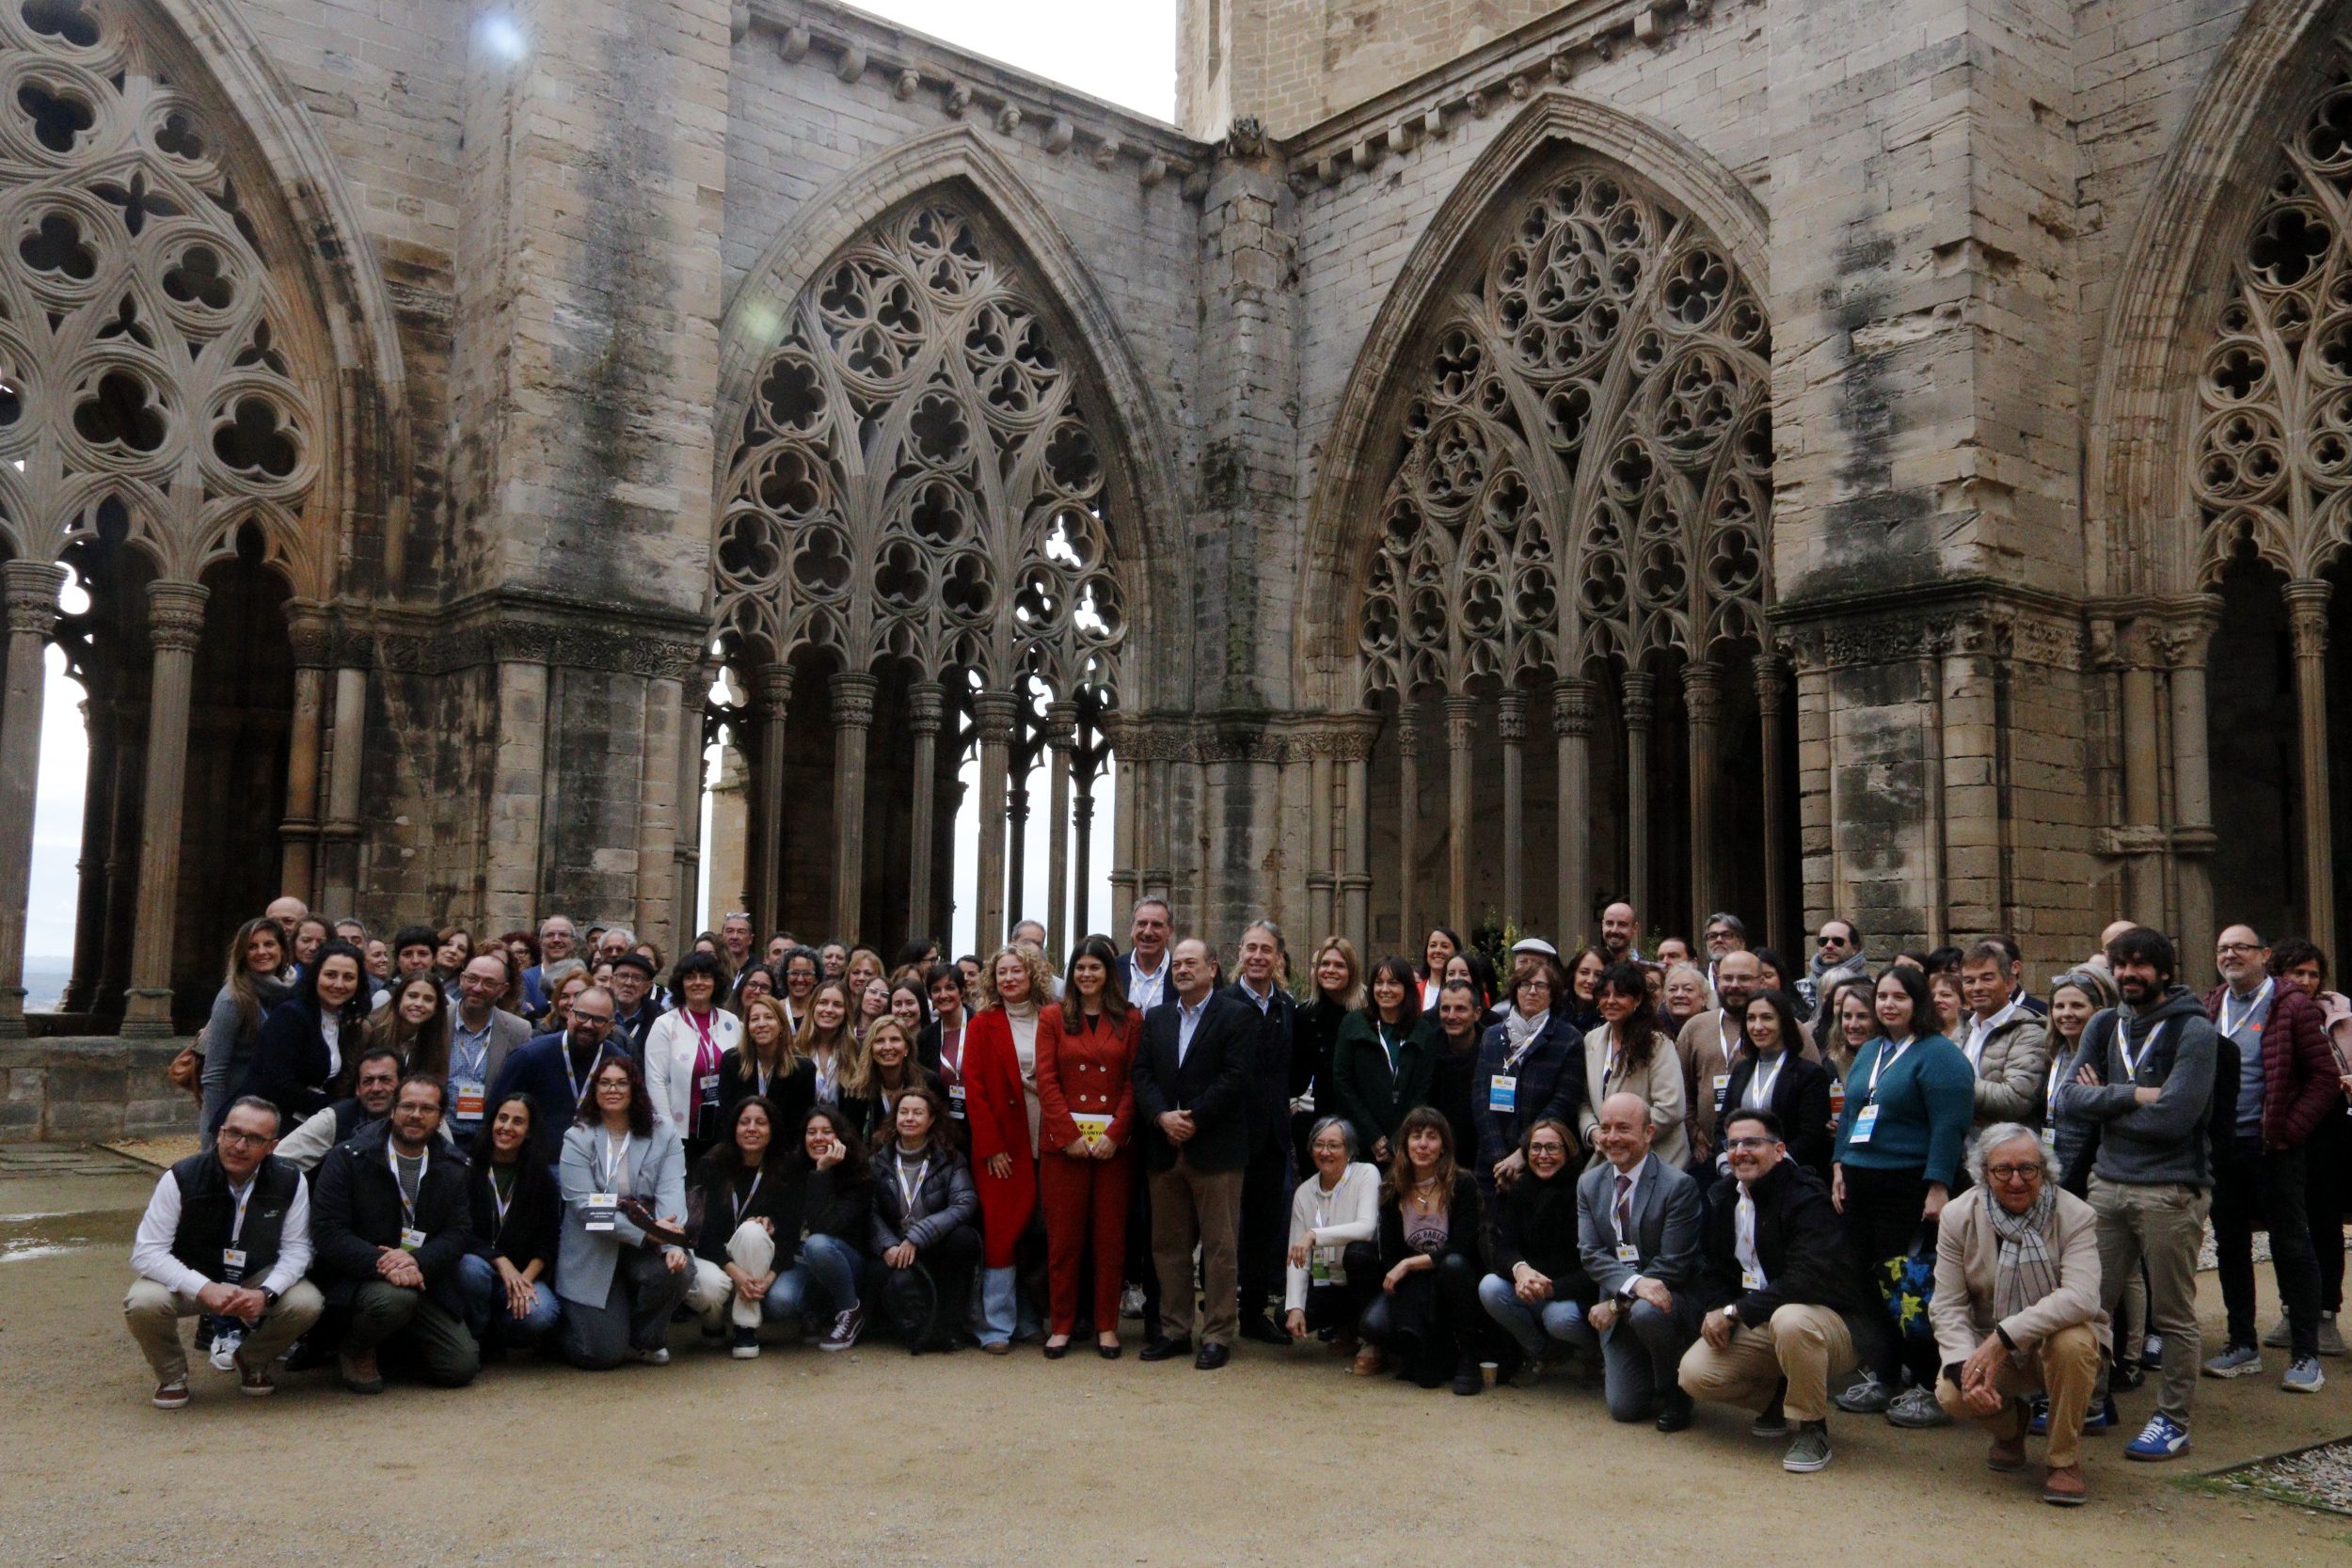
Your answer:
<point x="1002" y="1111"/>
<point x="1336" y="977"/>
<point x="831" y="1046"/>
<point x="256" y="982"/>
<point x="892" y="1071"/>
<point x="766" y="1063"/>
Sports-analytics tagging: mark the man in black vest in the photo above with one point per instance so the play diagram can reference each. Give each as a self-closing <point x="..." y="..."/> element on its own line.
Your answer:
<point x="227" y="1233"/>
<point x="394" y="1221"/>
<point x="1193" y="1081"/>
<point x="1265" y="1187"/>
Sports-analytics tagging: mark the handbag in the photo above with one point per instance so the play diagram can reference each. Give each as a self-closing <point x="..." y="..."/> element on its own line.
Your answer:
<point x="1906" y="1284"/>
<point x="187" y="1071"/>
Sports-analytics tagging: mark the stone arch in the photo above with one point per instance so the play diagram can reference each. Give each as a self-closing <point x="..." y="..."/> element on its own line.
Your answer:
<point x="1555" y="129"/>
<point x="954" y="164"/>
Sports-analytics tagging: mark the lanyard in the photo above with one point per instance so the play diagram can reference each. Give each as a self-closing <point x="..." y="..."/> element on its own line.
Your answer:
<point x="391" y="1160"/>
<point x="578" y="1088"/>
<point x="1880" y="1062"/>
<point x="824" y="1074"/>
<point x="475" y="1049"/>
<point x="706" y="1053"/>
<point x="501" y="1199"/>
<point x="616" y="1165"/>
<point x="908" y="1189"/>
<point x="2123" y="1049"/>
<point x="245" y="1196"/>
<point x="2253" y="1005"/>
<point x="953" y="1062"/>
<point x="1760" y="1087"/>
<point x="1389" y="1045"/>
<point x="744" y="1200"/>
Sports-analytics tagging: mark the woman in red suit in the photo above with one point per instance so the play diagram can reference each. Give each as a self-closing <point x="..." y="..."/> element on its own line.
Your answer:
<point x="1000" y="1108"/>
<point x="1084" y="1046"/>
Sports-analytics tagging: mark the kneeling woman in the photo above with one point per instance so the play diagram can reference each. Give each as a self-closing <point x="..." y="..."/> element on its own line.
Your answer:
<point x="618" y="1284"/>
<point x="730" y="1206"/>
<point x="517" y="1219"/>
<point x="1539" y="1291"/>
<point x="1334" y="1256"/>
<point x="926" y="1223"/>
<point x="1427" y="1316"/>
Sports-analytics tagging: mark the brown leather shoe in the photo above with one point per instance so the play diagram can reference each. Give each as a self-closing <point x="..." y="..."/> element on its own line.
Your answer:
<point x="1368" y="1362"/>
<point x="359" y="1373"/>
<point x="1345" y="1346"/>
<point x="2007" y="1454"/>
<point x="2063" y="1486"/>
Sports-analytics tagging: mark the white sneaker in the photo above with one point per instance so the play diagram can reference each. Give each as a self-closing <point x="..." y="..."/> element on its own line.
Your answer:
<point x="658" y="1356"/>
<point x="225" y="1352"/>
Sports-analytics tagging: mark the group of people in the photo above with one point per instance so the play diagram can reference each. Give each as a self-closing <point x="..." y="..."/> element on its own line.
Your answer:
<point x="1921" y="1192"/>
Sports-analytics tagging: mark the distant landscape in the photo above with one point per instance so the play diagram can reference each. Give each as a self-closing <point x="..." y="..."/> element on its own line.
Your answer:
<point x="44" y="983"/>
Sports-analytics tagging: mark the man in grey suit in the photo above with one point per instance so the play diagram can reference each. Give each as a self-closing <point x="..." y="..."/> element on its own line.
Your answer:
<point x="1638" y="1226"/>
<point x="481" y="1033"/>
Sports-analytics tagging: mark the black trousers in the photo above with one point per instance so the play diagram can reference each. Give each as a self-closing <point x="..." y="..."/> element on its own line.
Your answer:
<point x="1430" y="1322"/>
<point x="2327" y="1193"/>
<point x="925" y="1300"/>
<point x="1266" y="1221"/>
<point x="1340" y="1307"/>
<point x="2257" y="1191"/>
<point x="1883" y="1221"/>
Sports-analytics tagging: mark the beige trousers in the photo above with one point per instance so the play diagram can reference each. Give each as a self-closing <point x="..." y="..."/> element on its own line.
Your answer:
<point x="751" y="1249"/>
<point x="154" y="1315"/>
<point x="2065" y="1366"/>
<point x="1803" y="1344"/>
<point x="1203" y="1206"/>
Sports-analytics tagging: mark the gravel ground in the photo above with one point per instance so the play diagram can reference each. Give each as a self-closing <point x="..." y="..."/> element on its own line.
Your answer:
<point x="875" y="1457"/>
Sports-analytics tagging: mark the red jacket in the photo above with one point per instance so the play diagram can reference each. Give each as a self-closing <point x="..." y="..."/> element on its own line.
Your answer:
<point x="996" y="1109"/>
<point x="1085" y="1069"/>
<point x="2300" y="1083"/>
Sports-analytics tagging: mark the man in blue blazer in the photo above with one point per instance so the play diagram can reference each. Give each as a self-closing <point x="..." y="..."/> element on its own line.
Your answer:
<point x="1638" y="1227"/>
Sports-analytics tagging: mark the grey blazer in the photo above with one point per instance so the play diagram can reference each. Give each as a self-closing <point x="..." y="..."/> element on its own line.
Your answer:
<point x="657" y="1170"/>
<point x="1669" y="1212"/>
<point x="507" y="1031"/>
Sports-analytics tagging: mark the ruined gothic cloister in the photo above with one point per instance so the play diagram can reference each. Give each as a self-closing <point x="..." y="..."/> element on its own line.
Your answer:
<point x="1791" y="456"/>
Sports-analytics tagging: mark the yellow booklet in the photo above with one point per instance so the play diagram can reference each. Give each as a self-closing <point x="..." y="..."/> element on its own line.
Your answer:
<point x="1093" y="1126"/>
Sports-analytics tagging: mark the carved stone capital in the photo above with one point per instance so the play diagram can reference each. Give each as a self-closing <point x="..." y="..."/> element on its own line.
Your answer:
<point x="1061" y="726"/>
<point x="1408" y="734"/>
<point x="1703" y="694"/>
<point x="1572" y="705"/>
<point x="2307" y="616"/>
<point x="994" y="714"/>
<point x="1461" y="722"/>
<point x="853" y="698"/>
<point x="1770" y="682"/>
<point x="175" y="615"/>
<point x="1640" y="699"/>
<point x="927" y="705"/>
<point x="31" y="588"/>
<point x="312" y="633"/>
<point x="775" y="691"/>
<point x="1246" y="139"/>
<point x="1510" y="718"/>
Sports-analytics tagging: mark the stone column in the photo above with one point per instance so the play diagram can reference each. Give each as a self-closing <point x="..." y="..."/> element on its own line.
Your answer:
<point x="306" y="628"/>
<point x="1356" y="875"/>
<point x="1082" y="857"/>
<point x="1640" y="706"/>
<point x="926" y="707"/>
<point x="123" y="854"/>
<point x="2143" y="868"/>
<point x="1511" y="724"/>
<point x="1461" y="727"/>
<point x="340" y="877"/>
<point x="175" y="618"/>
<point x="1126" y="835"/>
<point x="665" y="798"/>
<point x="1322" y="874"/>
<point x="1158" y="833"/>
<point x="994" y="714"/>
<point x="1703" y="700"/>
<point x="1407" y="819"/>
<point x="2307" y="614"/>
<point x="1061" y="735"/>
<point x="31" y="591"/>
<point x="1572" y="736"/>
<point x="89" y="917"/>
<point x="775" y="700"/>
<point x="1017" y="814"/>
<point x="2186" y="647"/>
<point x="688" y="851"/>
<point x="1771" y="687"/>
<point x="853" y="715"/>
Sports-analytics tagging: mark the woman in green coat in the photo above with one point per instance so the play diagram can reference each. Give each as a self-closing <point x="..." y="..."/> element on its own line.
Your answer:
<point x="1382" y="1061"/>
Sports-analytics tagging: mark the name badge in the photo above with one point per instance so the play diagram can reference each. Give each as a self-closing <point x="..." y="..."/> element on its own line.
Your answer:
<point x="469" y="1099"/>
<point x="602" y="1208"/>
<point x="710" y="1085"/>
<point x="232" y="1265"/>
<point x="1503" y="1093"/>
<point x="411" y="1238"/>
<point x="1319" y="1271"/>
<point x="2049" y="1145"/>
<point x="1836" y="1100"/>
<point x="955" y="1100"/>
<point x="1722" y="1087"/>
<point x="1751" y="1280"/>
<point x="1865" y="1122"/>
<point x="1629" y="1253"/>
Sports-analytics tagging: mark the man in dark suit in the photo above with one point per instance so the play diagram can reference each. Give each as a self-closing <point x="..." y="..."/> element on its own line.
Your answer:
<point x="1193" y="1082"/>
<point x="1265" y="1187"/>
<point x="1638" y="1224"/>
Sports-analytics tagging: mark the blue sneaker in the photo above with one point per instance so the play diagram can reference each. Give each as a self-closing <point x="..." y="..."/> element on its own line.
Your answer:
<point x="2235" y="1361"/>
<point x="2162" y="1439"/>
<point x="2101" y="1420"/>
<point x="2304" y="1377"/>
<point x="2040" y="1425"/>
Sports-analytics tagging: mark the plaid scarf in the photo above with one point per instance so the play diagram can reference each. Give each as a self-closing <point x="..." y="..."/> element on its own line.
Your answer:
<point x="2025" y="1273"/>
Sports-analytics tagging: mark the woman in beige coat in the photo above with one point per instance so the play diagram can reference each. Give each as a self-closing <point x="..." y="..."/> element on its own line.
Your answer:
<point x="1631" y="1055"/>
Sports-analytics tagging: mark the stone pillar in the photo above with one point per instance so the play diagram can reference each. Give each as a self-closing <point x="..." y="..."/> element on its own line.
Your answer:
<point x="122" y="855"/>
<point x="926" y="707"/>
<point x="852" y="717"/>
<point x="1355" y="877"/>
<point x="1158" y="833"/>
<point x="339" y="839"/>
<point x="1703" y="700"/>
<point x="2186" y="647"/>
<point x="306" y="628"/>
<point x="1511" y="724"/>
<point x="1322" y="870"/>
<point x="1640" y="709"/>
<point x="2307" y="615"/>
<point x="1572" y="736"/>
<point x="175" y="617"/>
<point x="1061" y="735"/>
<point x="1771" y="687"/>
<point x="1082" y="857"/>
<point x="766" y="889"/>
<point x="693" y="770"/>
<point x="993" y="715"/>
<point x="2143" y="868"/>
<point x="1126" y="837"/>
<point x="1461" y="727"/>
<point x="665" y="798"/>
<point x="1407" y="818"/>
<point x="31" y="591"/>
<point x="1017" y="814"/>
<point x="89" y="909"/>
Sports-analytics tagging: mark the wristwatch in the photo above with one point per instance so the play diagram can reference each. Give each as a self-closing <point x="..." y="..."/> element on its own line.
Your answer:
<point x="269" y="1295"/>
<point x="1731" y="1313"/>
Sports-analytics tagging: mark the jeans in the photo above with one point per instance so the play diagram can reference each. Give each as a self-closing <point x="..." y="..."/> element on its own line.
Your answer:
<point x="1000" y="1309"/>
<point x="1537" y="1330"/>
<point x="487" y="1315"/>
<point x="828" y="1267"/>
<point x="2254" y="1189"/>
<point x="1641" y="1358"/>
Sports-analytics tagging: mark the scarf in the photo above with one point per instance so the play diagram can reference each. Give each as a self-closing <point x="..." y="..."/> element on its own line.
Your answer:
<point x="1519" y="1030"/>
<point x="2024" y="1273"/>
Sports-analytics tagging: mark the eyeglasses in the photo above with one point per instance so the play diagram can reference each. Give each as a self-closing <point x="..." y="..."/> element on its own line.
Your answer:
<point x="599" y="1021"/>
<point x="1736" y="1146"/>
<point x="2237" y="947"/>
<point x="242" y="1140"/>
<point x="2012" y="1172"/>
<point x="614" y="1086"/>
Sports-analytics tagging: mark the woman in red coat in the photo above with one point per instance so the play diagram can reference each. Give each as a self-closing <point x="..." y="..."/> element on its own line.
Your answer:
<point x="1084" y="1046"/>
<point x="1000" y="1108"/>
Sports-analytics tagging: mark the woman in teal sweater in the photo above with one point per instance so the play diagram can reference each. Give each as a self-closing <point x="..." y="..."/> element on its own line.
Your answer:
<point x="1383" y="1059"/>
<point x="1910" y="1098"/>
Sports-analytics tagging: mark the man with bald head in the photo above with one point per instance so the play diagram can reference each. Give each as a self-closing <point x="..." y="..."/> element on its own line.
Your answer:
<point x="1192" y="1079"/>
<point x="1710" y="1043"/>
<point x="290" y="912"/>
<point x="1638" y="1229"/>
<point x="1618" y="927"/>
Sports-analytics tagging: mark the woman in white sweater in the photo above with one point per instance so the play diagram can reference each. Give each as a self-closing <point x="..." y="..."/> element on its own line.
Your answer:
<point x="1629" y="1054"/>
<point x="682" y="1052"/>
<point x="1334" y="1256"/>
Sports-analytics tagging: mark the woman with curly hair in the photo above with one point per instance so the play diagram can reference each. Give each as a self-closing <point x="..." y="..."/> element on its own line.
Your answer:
<point x="1629" y="1054"/>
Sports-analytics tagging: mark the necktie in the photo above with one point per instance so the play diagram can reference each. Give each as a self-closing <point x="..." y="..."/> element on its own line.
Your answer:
<point x="1624" y="1211"/>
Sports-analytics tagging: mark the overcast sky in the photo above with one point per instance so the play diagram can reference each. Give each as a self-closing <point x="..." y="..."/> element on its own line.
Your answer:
<point x="1122" y="52"/>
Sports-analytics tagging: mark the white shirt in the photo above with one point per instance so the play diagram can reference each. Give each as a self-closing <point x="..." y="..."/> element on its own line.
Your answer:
<point x="1188" y="1020"/>
<point x="331" y="1031"/>
<point x="1350" y="1211"/>
<point x="1632" y="1194"/>
<point x="150" y="1250"/>
<point x="1265" y="1001"/>
<point x="1146" y="990"/>
<point x="1981" y="1030"/>
<point x="1744" y="1236"/>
